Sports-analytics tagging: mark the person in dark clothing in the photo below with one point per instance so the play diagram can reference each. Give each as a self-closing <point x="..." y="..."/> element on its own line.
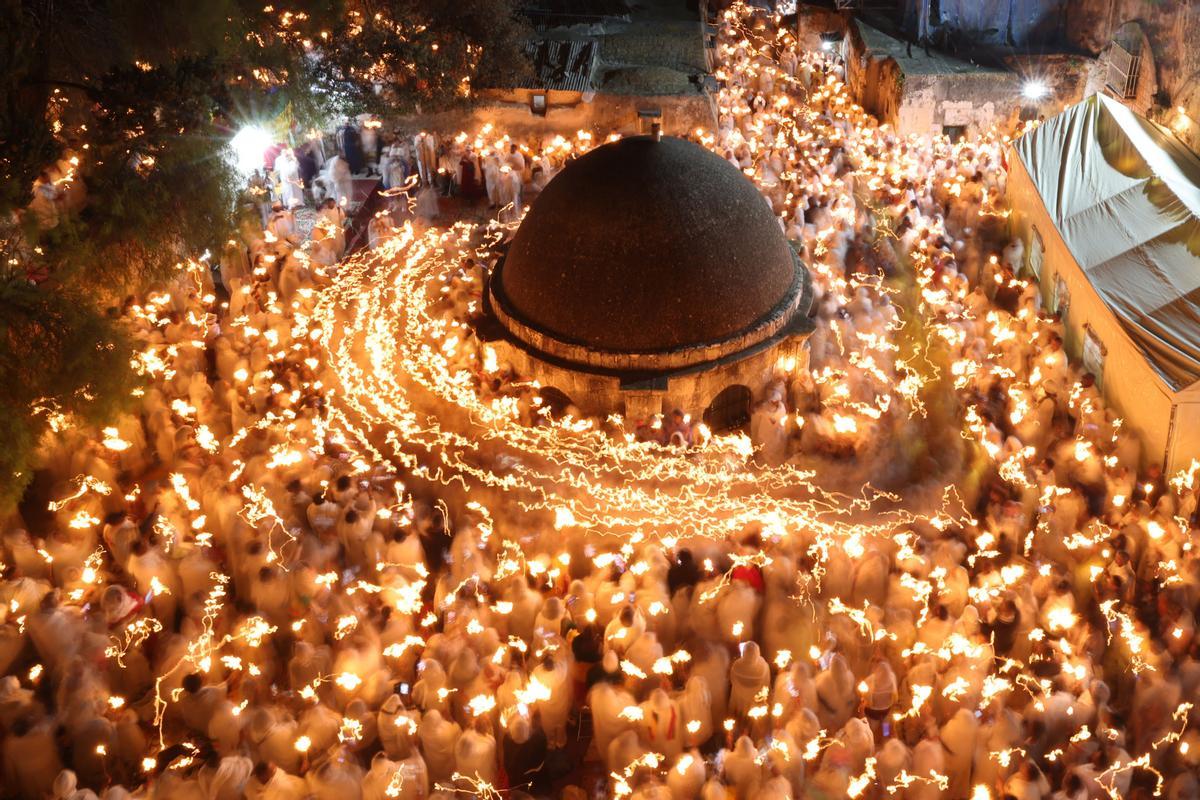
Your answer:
<point x="308" y="165"/>
<point x="350" y="145"/>
<point x="524" y="753"/>
<point x="683" y="571"/>
<point x="1004" y="627"/>
<point x="469" y="184"/>
<point x="588" y="648"/>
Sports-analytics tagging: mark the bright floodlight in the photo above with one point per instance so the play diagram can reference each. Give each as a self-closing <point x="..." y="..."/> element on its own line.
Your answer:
<point x="249" y="144"/>
<point x="1035" y="90"/>
<point x="826" y="46"/>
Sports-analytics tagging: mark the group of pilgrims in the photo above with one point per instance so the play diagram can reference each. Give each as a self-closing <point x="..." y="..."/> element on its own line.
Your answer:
<point x="224" y="601"/>
<point x="414" y="170"/>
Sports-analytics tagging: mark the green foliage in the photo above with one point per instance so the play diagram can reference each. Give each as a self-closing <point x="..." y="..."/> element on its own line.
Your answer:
<point x="425" y="53"/>
<point x="59" y="355"/>
<point x="147" y="94"/>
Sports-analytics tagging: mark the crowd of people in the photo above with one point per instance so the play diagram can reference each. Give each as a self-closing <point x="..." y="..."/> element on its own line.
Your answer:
<point x="414" y="171"/>
<point x="224" y="599"/>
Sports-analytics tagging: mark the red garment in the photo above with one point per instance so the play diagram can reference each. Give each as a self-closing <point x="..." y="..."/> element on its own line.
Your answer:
<point x="670" y="726"/>
<point x="270" y="154"/>
<point x="751" y="575"/>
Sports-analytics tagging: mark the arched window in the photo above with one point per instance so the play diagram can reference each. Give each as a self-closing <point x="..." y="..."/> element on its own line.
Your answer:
<point x="730" y="409"/>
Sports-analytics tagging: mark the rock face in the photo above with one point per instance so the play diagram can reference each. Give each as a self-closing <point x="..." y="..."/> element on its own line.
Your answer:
<point x="1023" y="23"/>
<point x="1065" y="43"/>
<point x="1172" y="61"/>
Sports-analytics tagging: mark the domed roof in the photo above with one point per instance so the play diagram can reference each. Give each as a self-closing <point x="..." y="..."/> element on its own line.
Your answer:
<point x="645" y="246"/>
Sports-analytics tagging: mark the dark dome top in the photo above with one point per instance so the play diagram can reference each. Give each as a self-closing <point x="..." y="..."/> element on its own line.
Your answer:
<point x="646" y="246"/>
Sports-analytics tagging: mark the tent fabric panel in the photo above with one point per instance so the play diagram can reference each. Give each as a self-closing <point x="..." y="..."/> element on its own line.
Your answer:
<point x="1124" y="196"/>
<point x="1128" y="219"/>
<point x="1167" y="158"/>
<point x="1142" y="396"/>
<point x="1162" y="325"/>
<point x="1066" y="164"/>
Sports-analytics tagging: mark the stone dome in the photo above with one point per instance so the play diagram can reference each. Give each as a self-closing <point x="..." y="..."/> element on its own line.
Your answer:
<point x="644" y="247"/>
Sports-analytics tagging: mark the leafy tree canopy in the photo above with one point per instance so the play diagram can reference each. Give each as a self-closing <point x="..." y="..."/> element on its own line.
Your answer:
<point x="129" y="105"/>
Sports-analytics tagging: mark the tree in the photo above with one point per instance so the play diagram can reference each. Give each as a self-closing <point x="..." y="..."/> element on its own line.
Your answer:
<point x="129" y="105"/>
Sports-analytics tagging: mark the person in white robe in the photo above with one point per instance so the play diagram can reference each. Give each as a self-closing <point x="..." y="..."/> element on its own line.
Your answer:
<point x="341" y="181"/>
<point x="428" y="207"/>
<point x="282" y="224"/>
<point x="333" y="217"/>
<point x="768" y="428"/>
<point x="291" y="188"/>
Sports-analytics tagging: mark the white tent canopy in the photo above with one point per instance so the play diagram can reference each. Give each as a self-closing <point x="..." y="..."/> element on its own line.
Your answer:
<point x="1125" y="196"/>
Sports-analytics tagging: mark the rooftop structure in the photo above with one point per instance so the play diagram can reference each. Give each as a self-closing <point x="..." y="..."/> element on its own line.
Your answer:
<point x="650" y="266"/>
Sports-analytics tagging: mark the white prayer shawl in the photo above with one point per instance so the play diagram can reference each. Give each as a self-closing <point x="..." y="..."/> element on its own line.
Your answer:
<point x="370" y="143"/>
<point x="695" y="706"/>
<point x="397" y="727"/>
<point x="491" y="179"/>
<point x="737" y="610"/>
<point x="335" y="220"/>
<point x="475" y="757"/>
<point x="320" y="724"/>
<point x="229" y="781"/>
<point x="342" y="180"/>
<point x="336" y="780"/>
<point x="892" y="759"/>
<point x="768" y="431"/>
<point x="291" y="278"/>
<point x="414" y="783"/>
<point x="393" y="167"/>
<point x="283" y="226"/>
<point x="958" y="740"/>
<point x="871" y="579"/>
<point x="427" y="209"/>
<point x="438" y="739"/>
<point x="836" y="698"/>
<point x="645" y="652"/>
<point x="225" y="728"/>
<point x="777" y="788"/>
<point x="686" y="776"/>
<point x="742" y="769"/>
<point x="557" y="707"/>
<point x="711" y="664"/>
<point x="31" y="762"/>
<point x="516" y="160"/>
<point x="607" y="702"/>
<point x="378" y="779"/>
<point x="662" y="725"/>
<point x="291" y="189"/>
<point x="281" y="786"/>
<point x="928" y="758"/>
<point x="623" y="750"/>
<point x="508" y="195"/>
<point x="748" y="677"/>
<point x="426" y="147"/>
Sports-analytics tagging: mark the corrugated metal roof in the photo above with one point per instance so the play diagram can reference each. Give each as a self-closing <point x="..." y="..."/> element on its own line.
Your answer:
<point x="565" y="65"/>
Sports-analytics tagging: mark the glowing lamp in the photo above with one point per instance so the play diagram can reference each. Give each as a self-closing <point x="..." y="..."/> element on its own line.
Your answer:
<point x="1035" y="90"/>
<point x="248" y="145"/>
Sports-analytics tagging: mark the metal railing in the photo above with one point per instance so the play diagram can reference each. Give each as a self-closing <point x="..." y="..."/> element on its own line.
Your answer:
<point x="1122" y="71"/>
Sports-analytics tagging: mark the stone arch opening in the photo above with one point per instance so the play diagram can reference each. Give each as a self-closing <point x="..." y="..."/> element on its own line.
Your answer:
<point x="554" y="401"/>
<point x="730" y="409"/>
